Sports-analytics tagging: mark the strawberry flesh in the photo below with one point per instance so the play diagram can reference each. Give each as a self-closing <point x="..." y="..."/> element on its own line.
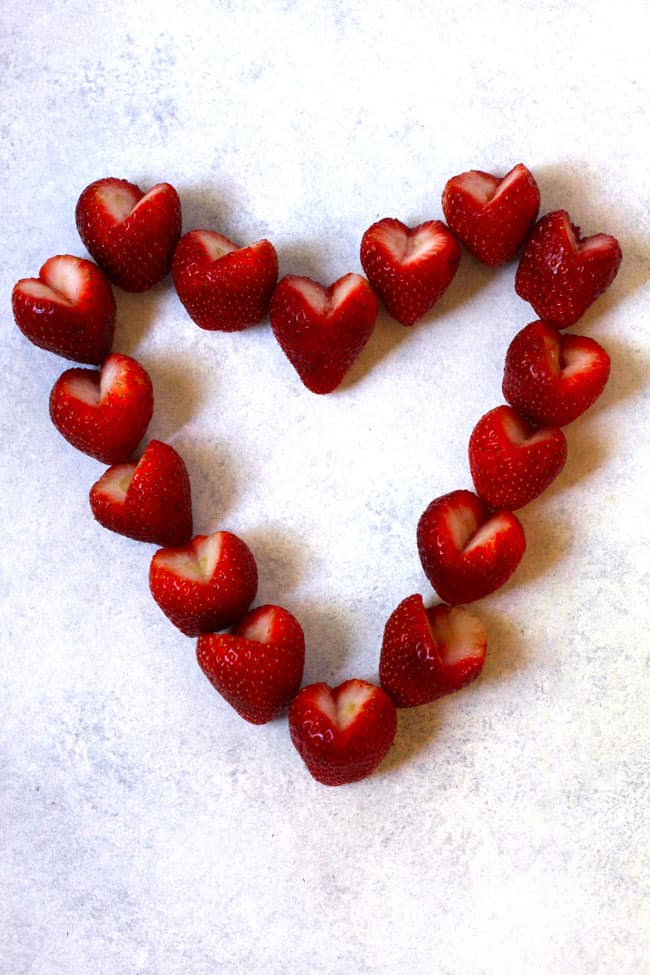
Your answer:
<point x="427" y="653"/>
<point x="342" y="733"/>
<point x="561" y="273"/>
<point x="491" y="216"/>
<point x="409" y="268"/>
<point x="258" y="667"/>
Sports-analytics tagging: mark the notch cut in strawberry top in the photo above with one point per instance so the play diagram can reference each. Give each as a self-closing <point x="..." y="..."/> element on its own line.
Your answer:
<point x="411" y="246"/>
<point x="197" y="561"/>
<point x="214" y="244"/>
<point x="602" y="243"/>
<point x="93" y="388"/>
<point x="485" y="188"/>
<point x="326" y="301"/>
<point x="344" y="704"/>
<point x="63" y="279"/>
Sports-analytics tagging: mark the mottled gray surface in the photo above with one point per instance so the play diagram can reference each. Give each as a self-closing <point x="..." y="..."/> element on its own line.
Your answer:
<point x="146" y="830"/>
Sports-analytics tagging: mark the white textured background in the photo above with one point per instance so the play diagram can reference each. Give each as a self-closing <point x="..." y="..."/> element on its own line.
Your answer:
<point x="146" y="829"/>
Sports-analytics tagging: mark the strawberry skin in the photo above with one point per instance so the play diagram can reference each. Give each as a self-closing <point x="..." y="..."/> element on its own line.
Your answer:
<point x="68" y="309"/>
<point x="131" y="234"/>
<point x="258" y="667"/>
<point x="561" y="273"/>
<point x="206" y="585"/>
<point x="149" y="500"/>
<point x="323" y="330"/>
<point x="512" y="462"/>
<point x="224" y="287"/>
<point x="342" y="734"/>
<point x="427" y="653"/>
<point x="552" y="378"/>
<point x="466" y="550"/>
<point x="409" y="268"/>
<point x="491" y="216"/>
<point x="106" y="412"/>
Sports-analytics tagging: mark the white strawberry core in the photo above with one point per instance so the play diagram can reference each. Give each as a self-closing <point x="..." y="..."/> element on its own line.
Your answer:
<point x="459" y="634"/>
<point x="197" y="562"/>
<point x="260" y="628"/>
<point x="84" y="388"/>
<point x="317" y="296"/>
<point x="214" y="244"/>
<point x="576" y="360"/>
<point x="488" y="531"/>
<point x="62" y="280"/>
<point x="114" y="484"/>
<point x="119" y="200"/>
<point x="408" y="248"/>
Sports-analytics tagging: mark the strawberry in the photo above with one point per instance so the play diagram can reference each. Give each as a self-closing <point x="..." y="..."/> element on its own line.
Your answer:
<point x="512" y="462"/>
<point x="149" y="500"/>
<point x="561" y="273"/>
<point x="206" y="585"/>
<point x="491" y="216"/>
<point x="258" y="667"/>
<point x="409" y="268"/>
<point x="222" y="286"/>
<point x="466" y="551"/>
<point x="427" y="653"/>
<point x="68" y="309"/>
<point x="104" y="413"/>
<point x="342" y="734"/>
<point x="552" y="378"/>
<point x="131" y="234"/>
<point x="323" y="330"/>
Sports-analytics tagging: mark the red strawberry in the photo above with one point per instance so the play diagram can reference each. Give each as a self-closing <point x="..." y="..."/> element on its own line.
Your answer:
<point x="131" y="234"/>
<point x="427" y="653"/>
<point x="68" y="309"/>
<point x="149" y="500"/>
<point x="492" y="216"/>
<point x="512" y="462"/>
<point x="342" y="734"/>
<point x="222" y="286"/>
<point x="465" y="550"/>
<point x="561" y="273"/>
<point x="552" y="378"/>
<point x="409" y="268"/>
<point x="206" y="585"/>
<point x="258" y="667"/>
<point x="105" y="413"/>
<point x="323" y="330"/>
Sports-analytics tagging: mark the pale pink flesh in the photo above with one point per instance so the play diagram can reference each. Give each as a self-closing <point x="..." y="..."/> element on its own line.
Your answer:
<point x="597" y="242"/>
<point x="119" y="200"/>
<point x="114" y="483"/>
<point x="317" y="296"/>
<point x="460" y="635"/>
<point x="462" y="524"/>
<point x="576" y="361"/>
<point x="485" y="188"/>
<point x="63" y="280"/>
<point x="260" y="628"/>
<point x="517" y="431"/>
<point x="409" y="248"/>
<point x="488" y="531"/>
<point x="197" y="562"/>
<point x="343" y="710"/>
<point x="215" y="245"/>
<point x="92" y="387"/>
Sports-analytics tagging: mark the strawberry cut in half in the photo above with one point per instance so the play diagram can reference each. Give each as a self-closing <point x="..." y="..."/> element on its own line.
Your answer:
<point x="511" y="461"/>
<point x="68" y="309"/>
<point x="149" y="500"/>
<point x="131" y="234"/>
<point x="224" y="287"/>
<point x="258" y="667"/>
<point x="343" y="733"/>
<point x="204" y="586"/>
<point x="552" y="378"/>
<point x="323" y="330"/>
<point x="104" y="413"/>
<point x="491" y="216"/>
<point x="427" y="653"/>
<point x="466" y="550"/>
<point x="409" y="268"/>
<point x="561" y="273"/>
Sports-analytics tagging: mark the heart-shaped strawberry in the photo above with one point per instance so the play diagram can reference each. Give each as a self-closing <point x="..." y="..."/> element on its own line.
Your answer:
<point x="512" y="462"/>
<point x="258" y="667"/>
<point x="552" y="378"/>
<point x="206" y="585"/>
<point x="323" y="330"/>
<point x="149" y="500"/>
<point x="467" y="551"/>
<point x="104" y="413"/>
<point x="491" y="216"/>
<point x="427" y="653"/>
<point x="131" y="234"/>
<point x="342" y="734"/>
<point x="409" y="268"/>
<point x="68" y="309"/>
<point x="223" y="286"/>
<point x="561" y="273"/>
